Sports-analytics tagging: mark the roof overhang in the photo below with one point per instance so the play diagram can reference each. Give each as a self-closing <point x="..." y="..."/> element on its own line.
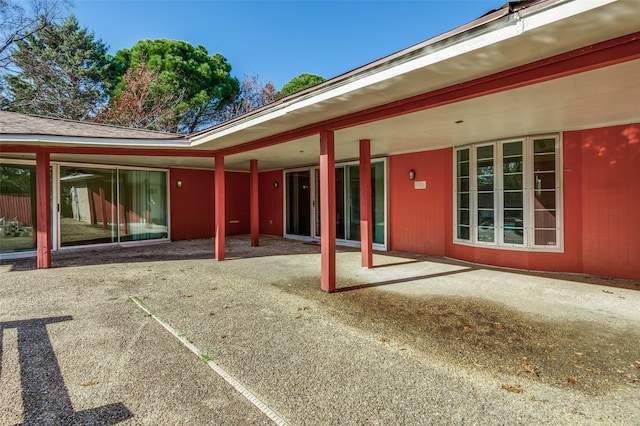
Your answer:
<point x="487" y="46"/>
<point x="285" y="134"/>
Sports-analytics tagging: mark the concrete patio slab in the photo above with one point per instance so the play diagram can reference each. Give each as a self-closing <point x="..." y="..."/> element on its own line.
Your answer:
<point x="415" y="340"/>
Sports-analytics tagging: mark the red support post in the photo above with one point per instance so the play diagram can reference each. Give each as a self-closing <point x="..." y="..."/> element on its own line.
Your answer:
<point x="327" y="211"/>
<point x="366" y="210"/>
<point x="220" y="208"/>
<point x="254" y="204"/>
<point x="43" y="207"/>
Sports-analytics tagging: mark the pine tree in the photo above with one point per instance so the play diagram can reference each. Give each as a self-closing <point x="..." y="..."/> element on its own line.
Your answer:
<point x="63" y="72"/>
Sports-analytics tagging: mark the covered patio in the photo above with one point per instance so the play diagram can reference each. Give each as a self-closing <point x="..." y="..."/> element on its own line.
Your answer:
<point x="540" y="68"/>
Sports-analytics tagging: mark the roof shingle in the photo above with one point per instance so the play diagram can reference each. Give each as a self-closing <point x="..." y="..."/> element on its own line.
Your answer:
<point x="12" y="123"/>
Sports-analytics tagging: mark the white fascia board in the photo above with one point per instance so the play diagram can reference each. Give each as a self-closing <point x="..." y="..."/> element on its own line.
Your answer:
<point x="88" y="142"/>
<point x="239" y="125"/>
<point x="516" y="24"/>
<point x="374" y="76"/>
<point x="559" y="11"/>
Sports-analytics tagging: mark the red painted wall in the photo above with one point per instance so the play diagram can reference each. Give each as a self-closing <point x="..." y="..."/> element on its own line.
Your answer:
<point x="610" y="199"/>
<point x="192" y="205"/>
<point x="271" y="202"/>
<point x="601" y="207"/>
<point x="418" y="217"/>
<point x="237" y="201"/>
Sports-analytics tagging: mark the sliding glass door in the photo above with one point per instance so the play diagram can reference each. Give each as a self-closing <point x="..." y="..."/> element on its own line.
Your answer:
<point x="87" y="206"/>
<point x="298" y="203"/>
<point x="17" y="207"/>
<point x="143" y="205"/>
<point x="102" y="205"/>
<point x="303" y="197"/>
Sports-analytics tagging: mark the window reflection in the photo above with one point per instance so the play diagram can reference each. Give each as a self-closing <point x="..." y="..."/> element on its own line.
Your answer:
<point x="17" y="208"/>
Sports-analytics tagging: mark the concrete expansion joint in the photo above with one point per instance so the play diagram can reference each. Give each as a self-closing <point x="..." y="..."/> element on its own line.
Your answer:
<point x="269" y="412"/>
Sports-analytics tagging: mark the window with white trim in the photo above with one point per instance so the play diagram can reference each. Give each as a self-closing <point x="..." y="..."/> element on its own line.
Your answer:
<point x="508" y="194"/>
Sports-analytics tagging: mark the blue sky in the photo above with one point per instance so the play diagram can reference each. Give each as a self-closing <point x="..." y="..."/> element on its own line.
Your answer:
<point x="278" y="40"/>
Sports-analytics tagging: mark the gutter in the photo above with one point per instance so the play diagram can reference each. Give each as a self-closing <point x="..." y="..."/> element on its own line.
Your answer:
<point x="102" y="142"/>
<point x="503" y="18"/>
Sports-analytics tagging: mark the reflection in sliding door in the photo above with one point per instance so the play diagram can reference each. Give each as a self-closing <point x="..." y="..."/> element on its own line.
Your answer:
<point x="377" y="202"/>
<point x="353" y="203"/>
<point x="17" y="207"/>
<point x="87" y="206"/>
<point x="143" y="205"/>
<point x="299" y="203"/>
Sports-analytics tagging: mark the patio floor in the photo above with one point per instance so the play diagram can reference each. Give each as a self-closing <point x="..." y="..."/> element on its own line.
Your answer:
<point x="415" y="340"/>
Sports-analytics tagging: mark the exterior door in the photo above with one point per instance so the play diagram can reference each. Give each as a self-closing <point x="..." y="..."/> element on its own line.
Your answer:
<point x="298" y="203"/>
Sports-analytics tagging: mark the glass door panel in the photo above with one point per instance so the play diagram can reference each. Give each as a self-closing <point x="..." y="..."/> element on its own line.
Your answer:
<point x="87" y="206"/>
<point x="347" y="202"/>
<point x="377" y="201"/>
<point x="353" y="203"/>
<point x="298" y="203"/>
<point x="143" y="205"/>
<point x="17" y="207"/>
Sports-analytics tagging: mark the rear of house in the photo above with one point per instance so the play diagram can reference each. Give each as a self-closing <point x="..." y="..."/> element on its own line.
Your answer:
<point x="512" y="141"/>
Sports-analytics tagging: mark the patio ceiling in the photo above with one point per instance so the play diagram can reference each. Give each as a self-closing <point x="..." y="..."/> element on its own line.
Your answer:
<point x="596" y="98"/>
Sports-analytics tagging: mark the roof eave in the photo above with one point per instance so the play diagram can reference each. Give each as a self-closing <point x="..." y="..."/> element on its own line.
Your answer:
<point x="465" y="32"/>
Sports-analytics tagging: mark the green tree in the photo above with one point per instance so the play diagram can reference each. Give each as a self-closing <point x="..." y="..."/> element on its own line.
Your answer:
<point x="203" y="82"/>
<point x="63" y="72"/>
<point x="299" y="83"/>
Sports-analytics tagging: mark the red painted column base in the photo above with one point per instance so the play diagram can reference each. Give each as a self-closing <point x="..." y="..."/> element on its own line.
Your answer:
<point x="254" y="204"/>
<point x="220" y="208"/>
<point x="43" y="206"/>
<point x="366" y="211"/>
<point x="327" y="212"/>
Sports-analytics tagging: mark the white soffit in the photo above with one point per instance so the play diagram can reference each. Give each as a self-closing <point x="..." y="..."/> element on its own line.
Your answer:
<point x="597" y="98"/>
<point x="513" y="40"/>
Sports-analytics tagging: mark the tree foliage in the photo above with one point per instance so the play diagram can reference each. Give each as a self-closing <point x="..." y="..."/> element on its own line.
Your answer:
<point x="63" y="72"/>
<point x="140" y="103"/>
<point x="299" y="83"/>
<point x="252" y="95"/>
<point x="203" y="82"/>
<point x="18" y="22"/>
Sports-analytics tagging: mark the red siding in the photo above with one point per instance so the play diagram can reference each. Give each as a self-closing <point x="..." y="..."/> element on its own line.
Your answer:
<point x="418" y="217"/>
<point x="610" y="200"/>
<point x="271" y="209"/>
<point x="191" y="205"/>
<point x="237" y="198"/>
<point x="601" y="207"/>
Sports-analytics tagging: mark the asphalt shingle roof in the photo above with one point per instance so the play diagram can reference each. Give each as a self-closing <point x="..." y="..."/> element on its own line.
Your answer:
<point x="19" y="124"/>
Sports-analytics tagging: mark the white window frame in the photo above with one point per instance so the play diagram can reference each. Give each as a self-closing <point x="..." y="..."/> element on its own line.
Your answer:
<point x="528" y="196"/>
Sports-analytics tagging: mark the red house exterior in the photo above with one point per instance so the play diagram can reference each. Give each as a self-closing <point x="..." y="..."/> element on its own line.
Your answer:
<point x="512" y="141"/>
